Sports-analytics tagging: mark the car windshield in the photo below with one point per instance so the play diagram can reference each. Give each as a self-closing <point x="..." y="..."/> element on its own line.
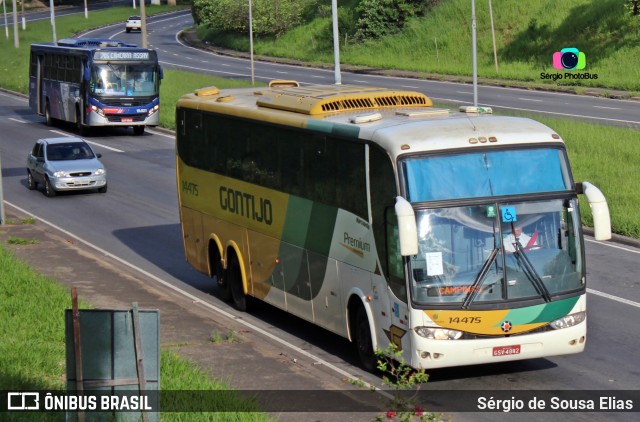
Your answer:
<point x="69" y="151"/>
<point x="124" y="79"/>
<point x="497" y="252"/>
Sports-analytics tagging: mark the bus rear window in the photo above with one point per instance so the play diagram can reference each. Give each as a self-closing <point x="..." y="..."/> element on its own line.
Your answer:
<point x="483" y="174"/>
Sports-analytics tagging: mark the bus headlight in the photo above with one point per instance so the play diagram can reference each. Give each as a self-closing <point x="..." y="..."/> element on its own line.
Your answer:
<point x="438" y="333"/>
<point x="97" y="110"/>
<point x="569" y="320"/>
<point x="153" y="109"/>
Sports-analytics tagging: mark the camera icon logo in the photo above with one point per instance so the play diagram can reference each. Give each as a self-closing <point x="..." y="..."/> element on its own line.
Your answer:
<point x="569" y="59"/>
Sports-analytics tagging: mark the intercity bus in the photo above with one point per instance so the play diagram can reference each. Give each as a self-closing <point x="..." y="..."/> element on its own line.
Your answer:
<point x="93" y="82"/>
<point x="371" y="213"/>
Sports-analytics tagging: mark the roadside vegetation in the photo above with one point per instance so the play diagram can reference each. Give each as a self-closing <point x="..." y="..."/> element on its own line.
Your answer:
<point x="32" y="347"/>
<point x="433" y="38"/>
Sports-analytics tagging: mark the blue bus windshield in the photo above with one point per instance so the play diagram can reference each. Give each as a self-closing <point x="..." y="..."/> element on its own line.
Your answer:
<point x="488" y="173"/>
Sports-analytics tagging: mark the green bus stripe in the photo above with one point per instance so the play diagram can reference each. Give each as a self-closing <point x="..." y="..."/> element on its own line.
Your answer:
<point x="347" y="131"/>
<point x="541" y="313"/>
<point x="297" y="221"/>
<point x="320" y="229"/>
<point x="555" y="310"/>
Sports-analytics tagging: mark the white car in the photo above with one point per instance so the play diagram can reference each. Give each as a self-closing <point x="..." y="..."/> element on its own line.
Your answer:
<point x="133" y="24"/>
<point x="62" y="164"/>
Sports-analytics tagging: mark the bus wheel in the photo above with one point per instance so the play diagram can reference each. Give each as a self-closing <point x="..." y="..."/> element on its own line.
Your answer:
<point x="138" y="130"/>
<point x="48" y="189"/>
<point x="82" y="129"/>
<point x="47" y="115"/>
<point x="31" y="182"/>
<point x="363" y="341"/>
<point x="234" y="278"/>
<point x="217" y="271"/>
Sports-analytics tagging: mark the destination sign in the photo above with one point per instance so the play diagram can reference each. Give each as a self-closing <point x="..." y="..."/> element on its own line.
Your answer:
<point x="122" y="55"/>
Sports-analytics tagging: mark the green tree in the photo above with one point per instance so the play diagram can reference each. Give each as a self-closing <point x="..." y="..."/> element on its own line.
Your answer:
<point x="270" y="17"/>
<point x="633" y="6"/>
<point x="378" y="18"/>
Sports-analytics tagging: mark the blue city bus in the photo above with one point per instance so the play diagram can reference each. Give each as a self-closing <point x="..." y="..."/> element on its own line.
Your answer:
<point x="94" y="82"/>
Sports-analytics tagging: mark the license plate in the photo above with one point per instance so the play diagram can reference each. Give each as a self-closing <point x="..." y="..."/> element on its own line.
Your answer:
<point x="127" y="119"/>
<point x="506" y="350"/>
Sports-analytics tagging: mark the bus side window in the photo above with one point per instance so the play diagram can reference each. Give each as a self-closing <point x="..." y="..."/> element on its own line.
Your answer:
<point x="394" y="259"/>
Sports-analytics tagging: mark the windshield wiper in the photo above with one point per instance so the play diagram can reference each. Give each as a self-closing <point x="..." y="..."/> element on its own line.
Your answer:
<point x="473" y="292"/>
<point x="530" y="272"/>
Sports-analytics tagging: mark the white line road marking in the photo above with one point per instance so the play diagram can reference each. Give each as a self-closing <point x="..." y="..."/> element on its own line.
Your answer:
<point x="89" y="142"/>
<point x="612" y="297"/>
<point x="195" y="299"/>
<point x="17" y="120"/>
<point x="160" y="134"/>
<point x="529" y="99"/>
<point x="612" y="245"/>
<point x="607" y="108"/>
<point x="635" y="122"/>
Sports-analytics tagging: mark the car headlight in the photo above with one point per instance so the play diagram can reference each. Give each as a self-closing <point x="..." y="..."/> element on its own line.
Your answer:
<point x="438" y="333"/>
<point x="59" y="173"/>
<point x="569" y="320"/>
<point x="99" y="172"/>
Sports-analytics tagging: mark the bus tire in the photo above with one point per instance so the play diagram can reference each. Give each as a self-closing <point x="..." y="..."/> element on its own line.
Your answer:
<point x="82" y="129"/>
<point x="47" y="115"/>
<point x="364" y="345"/>
<point x="138" y="130"/>
<point x="48" y="189"/>
<point x="31" y="182"/>
<point x="217" y="271"/>
<point x="234" y="278"/>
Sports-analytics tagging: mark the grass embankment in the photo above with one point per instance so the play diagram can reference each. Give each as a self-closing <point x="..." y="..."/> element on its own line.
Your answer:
<point x="32" y="347"/>
<point x="527" y="34"/>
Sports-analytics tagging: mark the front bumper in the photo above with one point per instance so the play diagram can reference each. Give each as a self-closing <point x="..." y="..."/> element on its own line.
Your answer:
<point x="78" y="183"/>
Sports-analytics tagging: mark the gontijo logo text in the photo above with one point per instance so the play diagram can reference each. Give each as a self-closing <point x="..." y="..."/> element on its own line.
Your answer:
<point x="569" y="59"/>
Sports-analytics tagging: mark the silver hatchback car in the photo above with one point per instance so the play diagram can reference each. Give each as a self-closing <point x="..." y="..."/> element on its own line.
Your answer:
<point x="65" y="164"/>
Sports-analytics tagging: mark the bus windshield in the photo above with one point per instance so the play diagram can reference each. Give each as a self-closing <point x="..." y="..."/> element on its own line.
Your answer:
<point x="486" y="173"/>
<point x="124" y="80"/>
<point x="470" y="254"/>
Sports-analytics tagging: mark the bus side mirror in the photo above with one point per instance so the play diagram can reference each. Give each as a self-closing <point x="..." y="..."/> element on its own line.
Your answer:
<point x="407" y="230"/>
<point x="599" y="210"/>
<point x="160" y="72"/>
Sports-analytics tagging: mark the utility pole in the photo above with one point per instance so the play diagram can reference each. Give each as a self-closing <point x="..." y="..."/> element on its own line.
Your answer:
<point x="336" y="42"/>
<point x="143" y="24"/>
<point x="6" y="27"/>
<point x="53" y="20"/>
<point x="251" y="44"/>
<point x="493" y="35"/>
<point x="475" y="58"/>
<point x="16" y="41"/>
